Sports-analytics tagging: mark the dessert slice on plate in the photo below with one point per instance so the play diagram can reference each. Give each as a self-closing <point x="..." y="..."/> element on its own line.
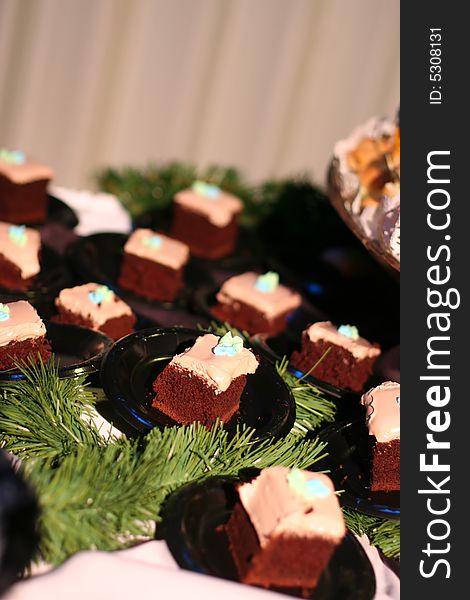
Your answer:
<point x="336" y="355"/>
<point x="285" y="528"/>
<point x="153" y="265"/>
<point x="19" y="256"/>
<point x="256" y="303"/>
<point x="22" y="335"/>
<point x="383" y="421"/>
<point x="206" y="218"/>
<point x="205" y="382"/>
<point x="23" y="183"/>
<point x="97" y="307"/>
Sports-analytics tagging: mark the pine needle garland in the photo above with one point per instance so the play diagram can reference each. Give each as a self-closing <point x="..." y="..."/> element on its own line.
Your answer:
<point x="43" y="415"/>
<point x="98" y="496"/>
<point x="294" y="203"/>
<point x="105" y="494"/>
<point x="312" y="408"/>
<point x="383" y="533"/>
<point x="154" y="186"/>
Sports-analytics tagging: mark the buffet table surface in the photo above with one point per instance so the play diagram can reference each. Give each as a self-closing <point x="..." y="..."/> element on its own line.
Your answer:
<point x="147" y="569"/>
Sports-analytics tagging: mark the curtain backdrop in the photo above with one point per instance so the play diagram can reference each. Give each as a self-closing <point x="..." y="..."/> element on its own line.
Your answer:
<point x="267" y="86"/>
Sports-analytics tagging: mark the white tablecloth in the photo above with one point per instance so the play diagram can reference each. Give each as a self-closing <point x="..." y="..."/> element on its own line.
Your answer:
<point x="149" y="571"/>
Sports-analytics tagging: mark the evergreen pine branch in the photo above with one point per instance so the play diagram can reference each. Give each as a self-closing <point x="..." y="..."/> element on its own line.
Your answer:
<point x="95" y="494"/>
<point x="383" y="533"/>
<point x="312" y="407"/>
<point x="154" y="186"/>
<point x="287" y="210"/>
<point x="43" y="415"/>
<point x="98" y="496"/>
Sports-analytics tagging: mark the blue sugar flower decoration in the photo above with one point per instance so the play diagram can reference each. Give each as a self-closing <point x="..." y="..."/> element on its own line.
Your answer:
<point x="228" y="345"/>
<point x="17" y="234"/>
<point x="317" y="488"/>
<point x="208" y="190"/>
<point x="154" y="241"/>
<point x="13" y="157"/>
<point x="100" y="295"/>
<point x="308" y="488"/>
<point x="268" y="282"/>
<point x="349" y="331"/>
<point x="4" y="312"/>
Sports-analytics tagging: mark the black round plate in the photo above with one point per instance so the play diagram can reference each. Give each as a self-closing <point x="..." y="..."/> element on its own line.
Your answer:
<point x="61" y="213"/>
<point x="192" y="526"/>
<point x="348" y="463"/>
<point x="77" y="351"/>
<point x="98" y="258"/>
<point x="53" y="277"/>
<point x="134" y="362"/>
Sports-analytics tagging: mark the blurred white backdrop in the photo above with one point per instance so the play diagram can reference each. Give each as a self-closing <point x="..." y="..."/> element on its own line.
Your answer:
<point x="267" y="86"/>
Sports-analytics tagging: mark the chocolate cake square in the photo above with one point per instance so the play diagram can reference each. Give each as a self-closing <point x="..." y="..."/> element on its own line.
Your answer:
<point x="97" y="307"/>
<point x="285" y="528"/>
<point x="153" y="265"/>
<point x="383" y="421"/>
<point x="19" y="256"/>
<point x="22" y="335"/>
<point x="338" y="356"/>
<point x="23" y="188"/>
<point x="256" y="303"/>
<point x="206" y="218"/>
<point x="205" y="382"/>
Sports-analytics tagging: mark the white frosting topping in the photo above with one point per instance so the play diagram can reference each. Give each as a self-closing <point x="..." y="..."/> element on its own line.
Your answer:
<point x="242" y="288"/>
<point x="275" y="508"/>
<point x="25" y="172"/>
<point x="23" y="323"/>
<point x="220" y="210"/>
<point x="25" y="257"/>
<point x="77" y="300"/>
<point x="383" y="411"/>
<point x="171" y="253"/>
<point x="217" y="371"/>
<point x="327" y="332"/>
